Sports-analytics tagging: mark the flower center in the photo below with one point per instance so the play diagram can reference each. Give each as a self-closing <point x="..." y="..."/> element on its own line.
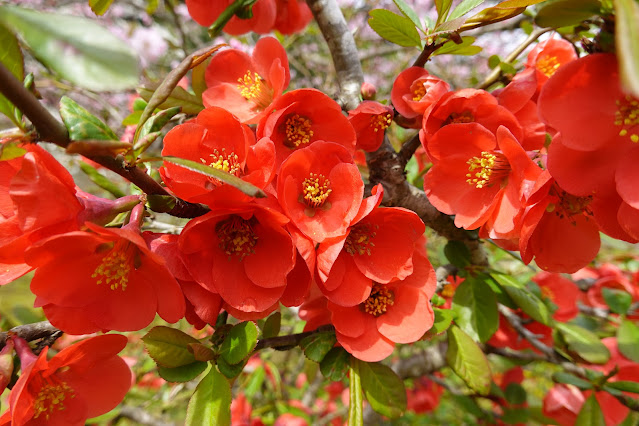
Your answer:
<point x="448" y="291"/>
<point x="379" y="300"/>
<point x="488" y="169"/>
<point x="419" y="92"/>
<point x="227" y="162"/>
<point x="547" y="293"/>
<point x="254" y="88"/>
<point x="51" y="398"/>
<point x="297" y="131"/>
<point x="568" y="205"/>
<point x="459" y="117"/>
<point x="627" y="116"/>
<point x="236" y="236"/>
<point x="316" y="189"/>
<point x="116" y="264"/>
<point x="359" y="240"/>
<point x="548" y="65"/>
<point x="381" y="122"/>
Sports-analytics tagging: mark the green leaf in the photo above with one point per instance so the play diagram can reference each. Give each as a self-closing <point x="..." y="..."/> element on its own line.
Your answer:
<point x="335" y="364"/>
<point x="408" y="12"/>
<point x="169" y="346"/>
<point x="81" y="124"/>
<point x="500" y="12"/>
<point x="230" y="370"/>
<point x="513" y="416"/>
<point x="272" y="326"/>
<point x="201" y="352"/>
<point x="628" y="340"/>
<point x="11" y="150"/>
<point x="159" y="120"/>
<point x="590" y="414"/>
<point x="443" y="319"/>
<point x="627" y="44"/>
<point x="467" y="359"/>
<point x="562" y="13"/>
<point x="475" y="308"/>
<point x="464" y="7"/>
<point x="77" y="48"/>
<point x="99" y="7"/>
<point x="239" y="343"/>
<point x="584" y="343"/>
<point x="464" y="48"/>
<point x="316" y="346"/>
<point x="394" y="28"/>
<point x="384" y="390"/>
<point x="184" y="373"/>
<point x="442" y="6"/>
<point x="132" y="119"/>
<point x="618" y="301"/>
<point x="211" y="402"/>
<point x="494" y="61"/>
<point x="526" y="300"/>
<point x="571" y="379"/>
<point x="247" y="188"/>
<point x="355" y="404"/>
<point x="179" y="97"/>
<point x="624" y="386"/>
<point x="455" y="251"/>
<point x="100" y="180"/>
<point x="515" y="394"/>
<point x="11" y="58"/>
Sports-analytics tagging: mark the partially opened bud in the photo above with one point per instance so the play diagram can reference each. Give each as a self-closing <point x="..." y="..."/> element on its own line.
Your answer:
<point x="6" y="365"/>
<point x="369" y="92"/>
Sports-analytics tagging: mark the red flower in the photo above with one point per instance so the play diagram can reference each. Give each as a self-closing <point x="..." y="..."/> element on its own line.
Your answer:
<point x="320" y="189"/>
<point x="563" y="403"/>
<point x="478" y="177"/>
<point x="107" y="279"/>
<point x="85" y="380"/>
<point x="415" y="92"/>
<point x="216" y="138"/>
<point x="468" y="106"/>
<point x="424" y="396"/>
<point x="292" y="16"/>
<point x="548" y="56"/>
<point x="562" y="292"/>
<point x="397" y="312"/>
<point x="301" y="117"/>
<point x="377" y="249"/>
<point x="246" y="85"/>
<point x="243" y="252"/>
<point x="370" y="120"/>
<point x="205" y="12"/>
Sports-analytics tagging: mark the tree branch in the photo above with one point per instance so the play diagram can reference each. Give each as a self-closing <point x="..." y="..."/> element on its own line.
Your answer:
<point x="291" y="340"/>
<point x="30" y="332"/>
<point x="341" y="44"/>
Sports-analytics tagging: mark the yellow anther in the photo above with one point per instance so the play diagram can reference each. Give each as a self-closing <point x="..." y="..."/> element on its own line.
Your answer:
<point x="236" y="236"/>
<point x="548" y="65"/>
<point x="379" y="300"/>
<point x="419" y="93"/>
<point x="381" y="122"/>
<point x="316" y="189"/>
<point x="254" y="88"/>
<point x="297" y="131"/>
<point x="51" y="398"/>
<point x="359" y="240"/>
<point x="627" y="117"/>
<point x="115" y="267"/>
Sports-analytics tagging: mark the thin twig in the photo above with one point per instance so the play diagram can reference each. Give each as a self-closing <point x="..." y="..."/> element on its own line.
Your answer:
<point x="408" y="149"/>
<point x="290" y="340"/>
<point x="30" y="332"/>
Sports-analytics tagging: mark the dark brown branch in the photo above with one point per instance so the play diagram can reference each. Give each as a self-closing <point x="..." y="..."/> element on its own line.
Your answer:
<point x="425" y="362"/>
<point x="49" y="129"/>
<point x="291" y="340"/>
<point x="340" y="42"/>
<point x="408" y="149"/>
<point x="31" y="332"/>
<point x="425" y="55"/>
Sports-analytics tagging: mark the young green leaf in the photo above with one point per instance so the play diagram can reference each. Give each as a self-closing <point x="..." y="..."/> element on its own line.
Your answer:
<point x="468" y="361"/>
<point x="584" y="343"/>
<point x="272" y="326"/>
<point x="465" y="48"/>
<point x="464" y="7"/>
<point x="527" y="301"/>
<point x="211" y="402"/>
<point x="443" y="7"/>
<point x="590" y="414"/>
<point x="179" y="97"/>
<point x="335" y="364"/>
<point x="384" y="390"/>
<point x="394" y="28"/>
<point x="571" y="379"/>
<point x="563" y="13"/>
<point x="627" y="44"/>
<point x="78" y="49"/>
<point x="231" y="371"/>
<point x="99" y="7"/>
<point x="239" y="343"/>
<point x="184" y="373"/>
<point x="443" y="319"/>
<point x="618" y="301"/>
<point x="316" y="346"/>
<point x="624" y="386"/>
<point x="245" y="187"/>
<point x="628" y="340"/>
<point x="11" y="58"/>
<point x="169" y="346"/>
<point x="475" y="308"/>
<point x="83" y="125"/>
<point x="408" y="12"/>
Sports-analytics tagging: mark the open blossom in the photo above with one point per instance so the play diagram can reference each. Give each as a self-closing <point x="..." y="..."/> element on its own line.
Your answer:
<point x="548" y="56"/>
<point x="84" y="380"/>
<point x="397" y="312"/>
<point x="216" y="138"/>
<point x="562" y="292"/>
<point x="243" y="253"/>
<point x="415" y="91"/>
<point x="292" y="16"/>
<point x="479" y="176"/>
<point x="106" y="279"/>
<point x="320" y="189"/>
<point x="300" y="117"/>
<point x="246" y="85"/>
<point x="370" y="120"/>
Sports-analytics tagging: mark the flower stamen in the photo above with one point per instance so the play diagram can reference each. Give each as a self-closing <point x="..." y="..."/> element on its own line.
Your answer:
<point x="627" y="116"/>
<point x="115" y="267"/>
<point x="488" y="169"/>
<point x="548" y="65"/>
<point x="316" y="189"/>
<point x="254" y="88"/>
<point x="379" y="300"/>
<point x="381" y="122"/>
<point x="236" y="236"/>
<point x="297" y="131"/>
<point x="359" y="240"/>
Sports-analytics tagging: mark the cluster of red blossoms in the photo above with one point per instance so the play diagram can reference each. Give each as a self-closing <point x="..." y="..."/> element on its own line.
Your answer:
<point x="285" y="16"/>
<point x="493" y="169"/>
